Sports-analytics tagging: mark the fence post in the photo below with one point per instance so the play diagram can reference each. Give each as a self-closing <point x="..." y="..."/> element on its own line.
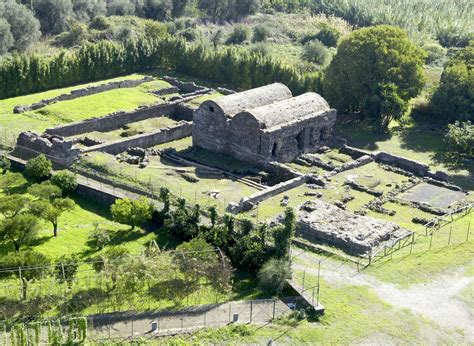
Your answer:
<point x="21" y="283"/>
<point x="274" y="308"/>
<point x="304" y="275"/>
<point x="251" y="310"/>
<point x="230" y="311"/>
<point x="468" y="230"/>
<point x="205" y="322"/>
<point x="449" y="239"/>
<point x="132" y="331"/>
<point x="412" y="242"/>
<point x="431" y="239"/>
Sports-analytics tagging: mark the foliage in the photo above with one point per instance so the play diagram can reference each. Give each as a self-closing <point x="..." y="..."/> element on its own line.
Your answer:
<point x="39" y="167"/>
<point x="5" y="164"/>
<point x="132" y="212"/>
<point x="316" y="52"/>
<point x="65" y="269"/>
<point x="45" y="190"/>
<point x="65" y="180"/>
<point x="273" y="275"/>
<point x="376" y="71"/>
<point x="328" y="35"/>
<point x="436" y="53"/>
<point x="23" y="28"/>
<point x="53" y="15"/>
<point x="283" y="235"/>
<point x="239" y="35"/>
<point x="454" y="99"/>
<point x="260" y="33"/>
<point x="460" y="139"/>
<point x="99" y="237"/>
<point x="19" y="229"/>
<point x="76" y="35"/>
<point x="86" y="10"/>
<point x="36" y="263"/>
<point x="11" y="180"/>
<point x="22" y="74"/>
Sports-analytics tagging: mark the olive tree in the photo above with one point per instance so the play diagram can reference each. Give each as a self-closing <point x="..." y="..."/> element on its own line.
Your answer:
<point x="374" y="74"/>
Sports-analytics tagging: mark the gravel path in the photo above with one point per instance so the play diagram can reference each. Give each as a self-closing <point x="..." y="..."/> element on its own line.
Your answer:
<point x="437" y="300"/>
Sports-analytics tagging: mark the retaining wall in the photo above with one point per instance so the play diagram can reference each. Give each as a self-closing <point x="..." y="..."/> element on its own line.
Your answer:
<point x="412" y="166"/>
<point x="146" y="140"/>
<point x="185" y="87"/>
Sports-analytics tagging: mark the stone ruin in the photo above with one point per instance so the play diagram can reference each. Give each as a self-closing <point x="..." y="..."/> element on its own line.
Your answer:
<point x="357" y="235"/>
<point x="56" y="148"/>
<point x="264" y="124"/>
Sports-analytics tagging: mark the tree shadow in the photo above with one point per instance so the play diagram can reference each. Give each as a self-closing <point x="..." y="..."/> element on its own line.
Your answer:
<point x="92" y="206"/>
<point x="360" y="134"/>
<point x="84" y="299"/>
<point x="39" y="241"/>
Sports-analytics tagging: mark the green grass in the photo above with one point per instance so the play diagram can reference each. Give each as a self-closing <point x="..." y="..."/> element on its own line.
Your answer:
<point x="423" y="264"/>
<point x="72" y="110"/>
<point x="467" y="296"/>
<point x="198" y="100"/>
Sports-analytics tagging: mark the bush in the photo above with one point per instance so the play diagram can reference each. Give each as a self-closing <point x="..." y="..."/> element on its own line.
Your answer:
<point x="39" y="167"/>
<point x="316" y="52"/>
<point x="328" y="35"/>
<point x="99" y="23"/>
<point x="260" y="33"/>
<point x="436" y="54"/>
<point x="260" y="48"/>
<point x="99" y="237"/>
<point x="273" y="275"/>
<point x="132" y="212"/>
<point x="239" y="35"/>
<point x="76" y="35"/>
<point x="460" y="139"/>
<point x="65" y="180"/>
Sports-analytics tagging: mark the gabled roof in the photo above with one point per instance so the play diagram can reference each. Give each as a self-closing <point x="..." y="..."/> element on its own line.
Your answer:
<point x="236" y="103"/>
<point x="287" y="110"/>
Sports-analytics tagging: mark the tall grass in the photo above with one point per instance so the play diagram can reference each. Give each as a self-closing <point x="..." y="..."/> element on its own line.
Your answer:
<point x="449" y="21"/>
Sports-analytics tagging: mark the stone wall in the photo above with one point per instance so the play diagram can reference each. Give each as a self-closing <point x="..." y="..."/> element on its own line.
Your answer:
<point x="185" y="87"/>
<point x="413" y="166"/>
<point x="249" y="202"/>
<point x="55" y="148"/>
<point x="83" y="92"/>
<point x="113" y="121"/>
<point x="181" y="130"/>
<point x="355" y="153"/>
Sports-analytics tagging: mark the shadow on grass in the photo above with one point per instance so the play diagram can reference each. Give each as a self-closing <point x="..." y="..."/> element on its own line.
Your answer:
<point x="84" y="299"/>
<point x="93" y="206"/>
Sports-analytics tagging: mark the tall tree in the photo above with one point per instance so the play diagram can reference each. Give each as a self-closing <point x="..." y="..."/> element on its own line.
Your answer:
<point x="19" y="229"/>
<point x="375" y="72"/>
<point x="85" y="10"/>
<point x="52" y="210"/>
<point x="53" y="15"/>
<point x="11" y="180"/>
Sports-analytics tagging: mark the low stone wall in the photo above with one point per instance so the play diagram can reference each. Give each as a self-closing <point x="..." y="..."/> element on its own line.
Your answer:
<point x="248" y="202"/>
<point x="113" y="121"/>
<point x="185" y="87"/>
<point x="146" y="140"/>
<point x="412" y="166"/>
<point x="83" y="92"/>
<point x="355" y="153"/>
<point x="225" y="91"/>
<point x="282" y="171"/>
<point x="183" y="112"/>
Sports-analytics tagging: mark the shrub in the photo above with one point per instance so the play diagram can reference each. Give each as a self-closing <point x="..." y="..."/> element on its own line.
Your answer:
<point x="239" y="35"/>
<point x="260" y="48"/>
<point x="460" y="139"/>
<point x="436" y="54"/>
<point x="328" y="35"/>
<point x="65" y="180"/>
<point x="76" y="35"/>
<point x="273" y="275"/>
<point x="99" y="23"/>
<point x="260" y="33"/>
<point x="99" y="237"/>
<point x="39" y="167"/>
<point x="316" y="52"/>
<point x="132" y="212"/>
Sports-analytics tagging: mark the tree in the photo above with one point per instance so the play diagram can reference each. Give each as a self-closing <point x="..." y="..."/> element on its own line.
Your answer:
<point x="132" y="212"/>
<point x="35" y="264"/>
<point x="179" y="7"/>
<point x="99" y="237"/>
<point x="11" y="180"/>
<point x="454" y="98"/>
<point x="375" y="72"/>
<point x="6" y="38"/>
<point x="13" y="205"/>
<point x="121" y="8"/>
<point x="158" y="9"/>
<point x="53" y="15"/>
<point x="52" y="210"/>
<point x="5" y="164"/>
<point x="65" y="180"/>
<point x="282" y="235"/>
<point x="273" y="275"/>
<point x="65" y="269"/>
<point x="45" y="191"/>
<point x="39" y="167"/>
<point x="110" y="262"/>
<point x="239" y="35"/>
<point x="328" y="35"/>
<point x="23" y="26"/>
<point x="19" y="229"/>
<point x="260" y="33"/>
<point x="85" y="10"/>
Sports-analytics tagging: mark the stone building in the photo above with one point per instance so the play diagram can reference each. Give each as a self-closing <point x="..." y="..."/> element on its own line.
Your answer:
<point x="264" y="124"/>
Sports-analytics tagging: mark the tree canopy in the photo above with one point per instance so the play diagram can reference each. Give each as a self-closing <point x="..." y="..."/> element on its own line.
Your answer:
<point x="375" y="72"/>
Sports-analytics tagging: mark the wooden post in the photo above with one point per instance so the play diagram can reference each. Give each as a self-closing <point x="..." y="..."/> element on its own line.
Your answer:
<point x="431" y="239"/>
<point x="304" y="274"/>
<point x="468" y="230"/>
<point x="449" y="239"/>
<point x="412" y="242"/>
<point x="274" y="308"/>
<point x="319" y="272"/>
<point x="251" y="310"/>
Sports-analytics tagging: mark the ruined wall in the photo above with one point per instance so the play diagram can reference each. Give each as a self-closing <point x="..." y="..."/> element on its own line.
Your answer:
<point x="248" y="202"/>
<point x="56" y="148"/>
<point x="83" y="92"/>
<point x="146" y="140"/>
<point x="185" y="87"/>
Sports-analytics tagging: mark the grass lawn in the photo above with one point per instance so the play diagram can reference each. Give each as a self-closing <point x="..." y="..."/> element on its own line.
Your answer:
<point x="72" y="110"/>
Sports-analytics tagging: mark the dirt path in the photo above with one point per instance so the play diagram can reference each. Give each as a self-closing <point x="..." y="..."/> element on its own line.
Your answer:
<point x="436" y="300"/>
